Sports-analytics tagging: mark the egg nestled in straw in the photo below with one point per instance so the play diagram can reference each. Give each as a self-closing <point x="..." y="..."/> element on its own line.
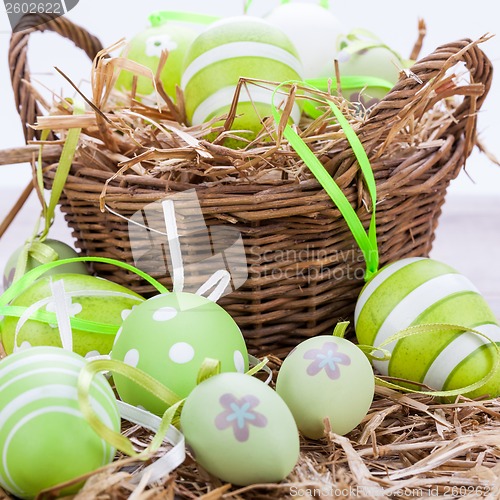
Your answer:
<point x="326" y="377"/>
<point x="420" y="291"/>
<point x="240" y="430"/>
<point x="227" y="51"/>
<point x="44" y="437"/>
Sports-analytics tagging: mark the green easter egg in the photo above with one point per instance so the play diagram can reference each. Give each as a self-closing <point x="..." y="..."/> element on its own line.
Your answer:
<point x="169" y="336"/>
<point x="228" y="50"/>
<point x="240" y="430"/>
<point x="146" y="48"/>
<point x="63" y="251"/>
<point x="326" y="377"/>
<point x="379" y="62"/>
<point x="419" y="291"/>
<point x="44" y="437"/>
<point x="87" y="298"/>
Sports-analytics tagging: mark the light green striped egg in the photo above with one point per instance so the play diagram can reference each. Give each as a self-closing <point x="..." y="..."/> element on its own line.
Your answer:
<point x="44" y="438"/>
<point x="418" y="291"/>
<point x="233" y="48"/>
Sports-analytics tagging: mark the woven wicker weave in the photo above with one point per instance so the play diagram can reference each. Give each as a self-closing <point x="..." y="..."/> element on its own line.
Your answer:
<point x="305" y="268"/>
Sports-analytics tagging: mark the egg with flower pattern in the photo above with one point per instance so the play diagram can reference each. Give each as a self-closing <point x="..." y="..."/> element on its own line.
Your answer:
<point x="169" y="336"/>
<point x="240" y="430"/>
<point x="326" y="377"/>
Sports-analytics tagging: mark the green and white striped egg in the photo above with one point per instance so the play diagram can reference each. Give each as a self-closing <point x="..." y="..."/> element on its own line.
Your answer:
<point x="419" y="291"/>
<point x="228" y="50"/>
<point x="44" y="437"/>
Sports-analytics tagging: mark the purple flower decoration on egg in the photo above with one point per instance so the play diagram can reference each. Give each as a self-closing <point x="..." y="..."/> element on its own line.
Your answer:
<point x="239" y="414"/>
<point x="327" y="358"/>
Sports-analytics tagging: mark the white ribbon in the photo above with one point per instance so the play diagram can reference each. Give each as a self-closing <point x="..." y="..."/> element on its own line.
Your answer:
<point x="174" y="245"/>
<point x="220" y="280"/>
<point x="161" y="468"/>
<point x="62" y="296"/>
<point x="62" y="313"/>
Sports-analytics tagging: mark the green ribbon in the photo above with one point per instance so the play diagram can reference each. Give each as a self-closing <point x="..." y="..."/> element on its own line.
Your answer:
<point x="35" y="247"/>
<point x="47" y="317"/>
<point x="360" y="39"/>
<point x="367" y="241"/>
<point x="150" y="384"/>
<point x="161" y="17"/>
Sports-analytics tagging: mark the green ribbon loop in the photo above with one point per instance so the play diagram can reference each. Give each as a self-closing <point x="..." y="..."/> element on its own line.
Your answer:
<point x="341" y="328"/>
<point x="438" y="328"/>
<point x="150" y="384"/>
<point x="161" y="17"/>
<point x="209" y="368"/>
<point x="367" y="241"/>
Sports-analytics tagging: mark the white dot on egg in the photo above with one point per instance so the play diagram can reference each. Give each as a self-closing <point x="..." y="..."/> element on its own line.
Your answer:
<point x="181" y="353"/>
<point x="165" y="314"/>
<point x="239" y="362"/>
<point x="92" y="354"/>
<point x="132" y="358"/>
<point x="125" y="314"/>
<point x="25" y="345"/>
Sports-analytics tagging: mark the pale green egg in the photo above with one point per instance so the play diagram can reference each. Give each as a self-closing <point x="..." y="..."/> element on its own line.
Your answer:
<point x="63" y="251"/>
<point x="326" y="377"/>
<point x="240" y="430"/>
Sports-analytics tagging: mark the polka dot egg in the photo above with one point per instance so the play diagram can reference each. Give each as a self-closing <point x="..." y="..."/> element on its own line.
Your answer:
<point x="326" y="377"/>
<point x="419" y="291"/>
<point x="169" y="336"/>
<point x="228" y="50"/>
<point x="44" y="437"/>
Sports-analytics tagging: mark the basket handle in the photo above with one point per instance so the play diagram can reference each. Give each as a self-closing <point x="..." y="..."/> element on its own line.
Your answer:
<point x="25" y="97"/>
<point x="406" y="94"/>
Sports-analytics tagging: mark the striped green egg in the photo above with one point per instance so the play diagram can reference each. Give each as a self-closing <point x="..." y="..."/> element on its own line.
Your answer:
<point x="228" y="50"/>
<point x="419" y="291"/>
<point x="44" y="437"/>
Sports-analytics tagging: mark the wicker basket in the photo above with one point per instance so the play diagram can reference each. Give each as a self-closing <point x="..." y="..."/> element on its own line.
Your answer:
<point x="321" y="284"/>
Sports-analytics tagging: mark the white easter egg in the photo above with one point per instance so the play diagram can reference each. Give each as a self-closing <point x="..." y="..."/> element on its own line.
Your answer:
<point x="314" y="31"/>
